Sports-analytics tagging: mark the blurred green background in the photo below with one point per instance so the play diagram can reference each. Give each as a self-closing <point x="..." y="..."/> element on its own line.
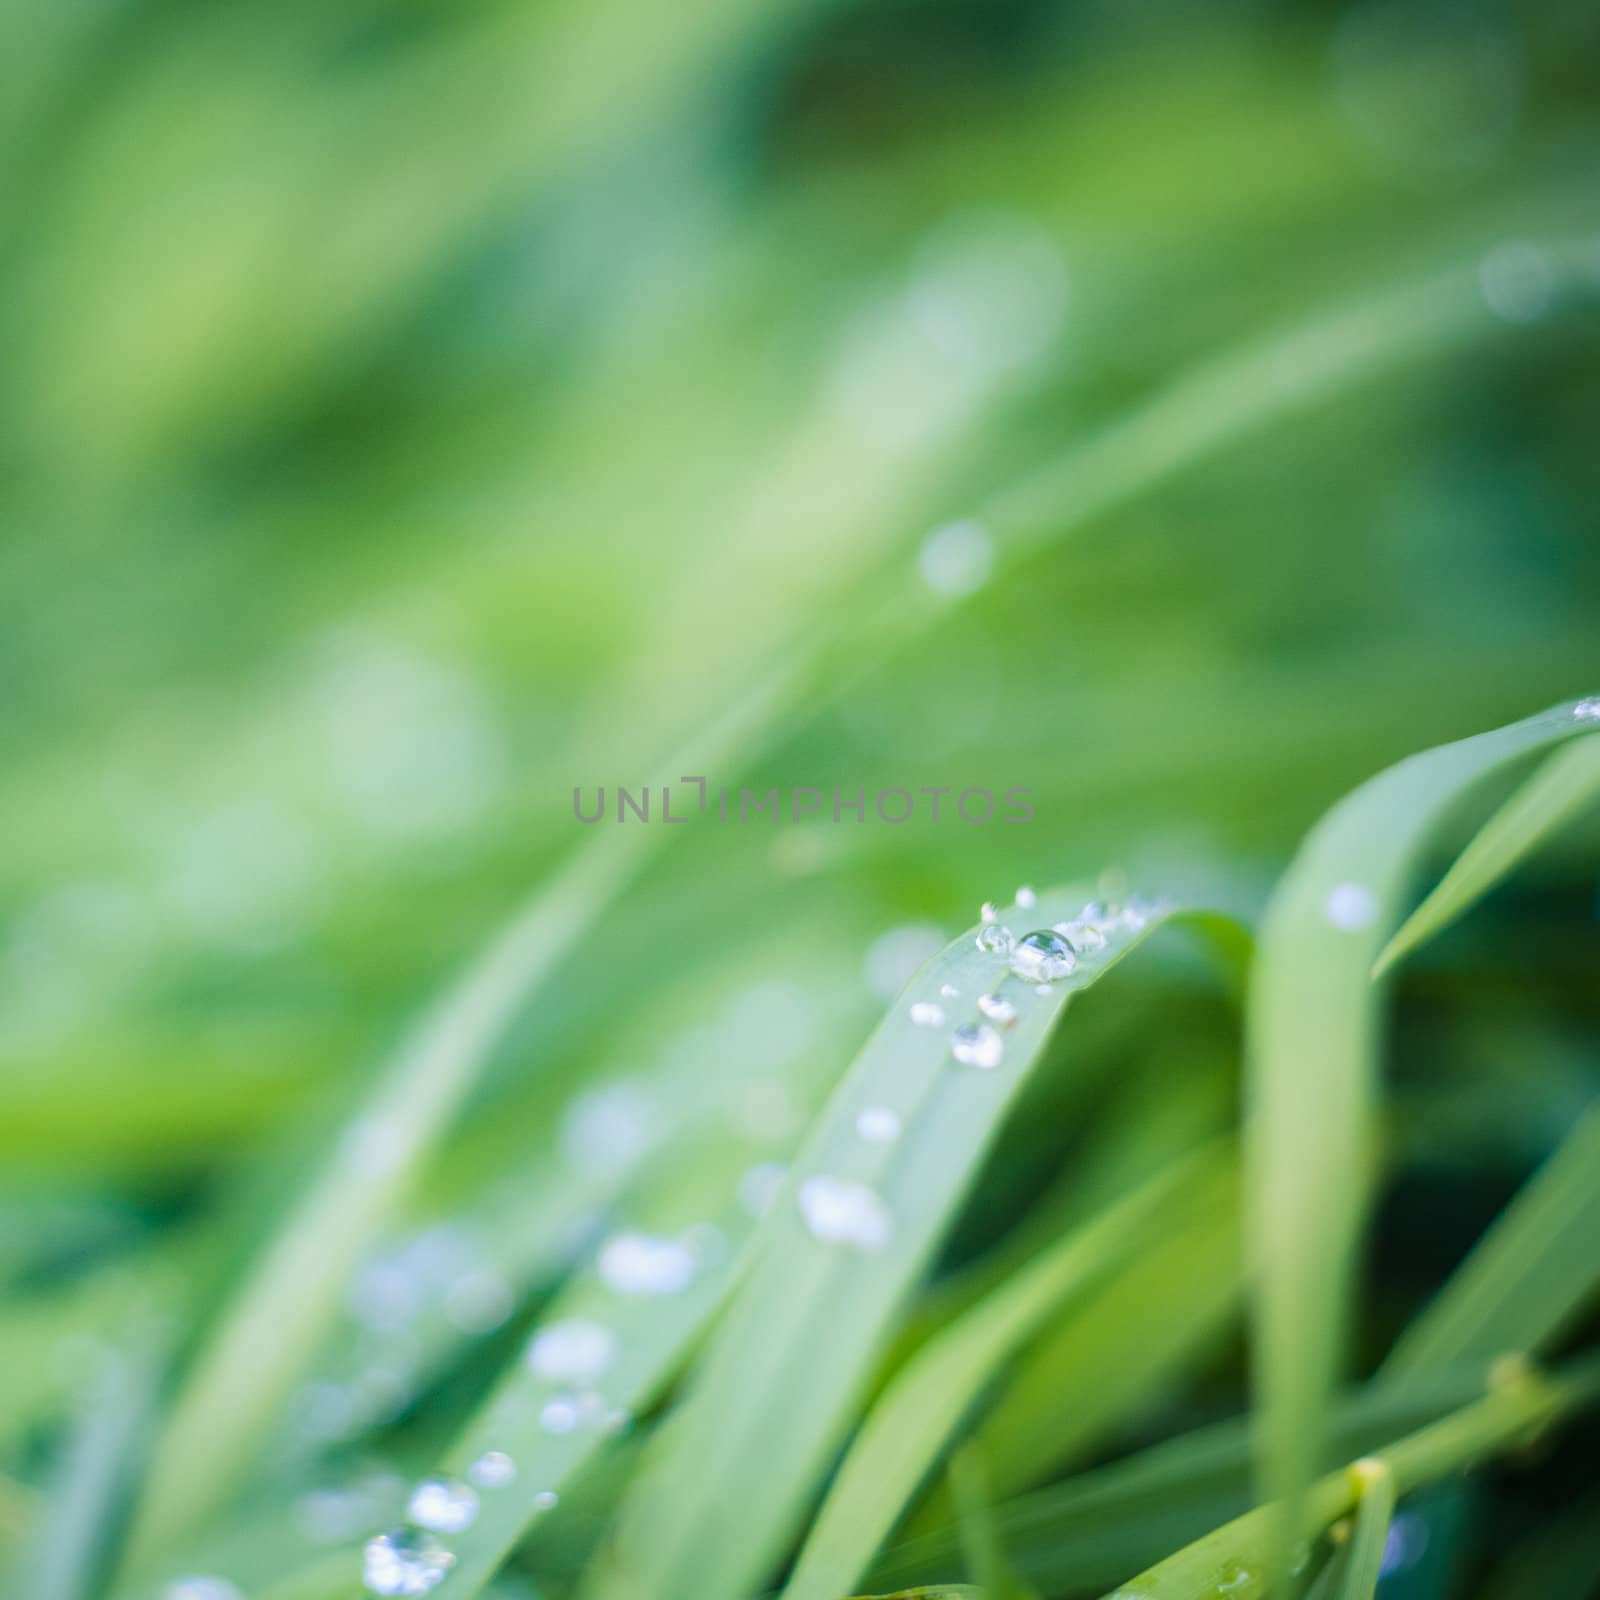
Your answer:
<point x="412" y="410"/>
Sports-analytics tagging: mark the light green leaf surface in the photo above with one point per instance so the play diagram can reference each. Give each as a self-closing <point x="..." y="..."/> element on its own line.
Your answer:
<point x="916" y="1416"/>
<point x="1312" y="1049"/>
<point x="288" y="1300"/>
<point x="1119" y="1342"/>
<point x="774" y="1395"/>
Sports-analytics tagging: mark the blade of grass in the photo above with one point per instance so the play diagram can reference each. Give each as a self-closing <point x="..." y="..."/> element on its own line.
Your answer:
<point x="744" y="1453"/>
<point x="910" y="1425"/>
<point x="981" y="1549"/>
<point x="1363" y="1559"/>
<point x="1527" y="1276"/>
<point x="289" y="1298"/>
<point x="82" y="1519"/>
<point x="1561" y="789"/>
<point x="1311" y="1049"/>
<point x="646" y="1336"/>
<point x="1086" y="1373"/>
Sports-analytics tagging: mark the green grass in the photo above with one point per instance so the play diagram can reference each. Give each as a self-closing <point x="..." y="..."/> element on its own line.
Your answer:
<point x="414" y="411"/>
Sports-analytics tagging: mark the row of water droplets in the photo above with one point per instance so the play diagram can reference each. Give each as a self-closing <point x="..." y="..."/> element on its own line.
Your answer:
<point x="846" y="1211"/>
<point x="573" y="1355"/>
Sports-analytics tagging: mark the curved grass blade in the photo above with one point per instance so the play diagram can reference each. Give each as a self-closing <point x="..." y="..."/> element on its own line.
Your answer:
<point x="910" y="1425"/>
<point x="1363" y="1558"/>
<point x="843" y="1246"/>
<point x="1311" y="1049"/>
<point x="1563" y="788"/>
<point x="288" y="1300"/>
<point x="1527" y="1276"/>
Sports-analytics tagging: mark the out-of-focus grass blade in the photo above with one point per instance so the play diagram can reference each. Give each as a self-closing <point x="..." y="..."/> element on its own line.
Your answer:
<point x="1527" y="1276"/>
<point x="1562" y="788"/>
<point x="1086" y="1373"/>
<point x="270" y="1333"/>
<point x="1311" y="1038"/>
<point x="609" y="1349"/>
<point x="835" y="1259"/>
<point x="83" y="1515"/>
<point x="1363" y="1561"/>
<point x="284" y="1306"/>
<point x="913" y="1421"/>
<point x="980" y="1541"/>
<point x="1091" y="1529"/>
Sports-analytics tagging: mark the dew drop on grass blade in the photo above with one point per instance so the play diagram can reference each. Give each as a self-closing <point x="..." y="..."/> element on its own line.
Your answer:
<point x="771" y="1401"/>
<point x="911" y="1423"/>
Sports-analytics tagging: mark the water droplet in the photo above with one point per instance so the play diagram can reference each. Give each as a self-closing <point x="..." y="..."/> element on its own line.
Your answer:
<point x="405" y="1562"/>
<point x="1082" y="936"/>
<point x="442" y="1505"/>
<point x="1026" y="898"/>
<point x="1043" y="957"/>
<point x="1351" y="906"/>
<point x="479" y="1301"/>
<point x="573" y="1350"/>
<point x="956" y="559"/>
<point x="561" y="1414"/>
<point x="949" y="991"/>
<point x="642" y="1264"/>
<point x="878" y="1125"/>
<point x="609" y="1127"/>
<point x="997" y="1009"/>
<point x="988" y="912"/>
<point x="976" y="1044"/>
<point x="844" y="1212"/>
<point x="1587" y="710"/>
<point x="618" y="1420"/>
<point x="202" y="1589"/>
<point x="999" y="940"/>
<point x="927" y="1015"/>
<point x="494" y="1469"/>
<point x="759" y="1186"/>
<point x="546" y="1500"/>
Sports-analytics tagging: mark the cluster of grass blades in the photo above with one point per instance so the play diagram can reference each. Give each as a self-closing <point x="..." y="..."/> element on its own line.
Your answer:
<point x="785" y="1432"/>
